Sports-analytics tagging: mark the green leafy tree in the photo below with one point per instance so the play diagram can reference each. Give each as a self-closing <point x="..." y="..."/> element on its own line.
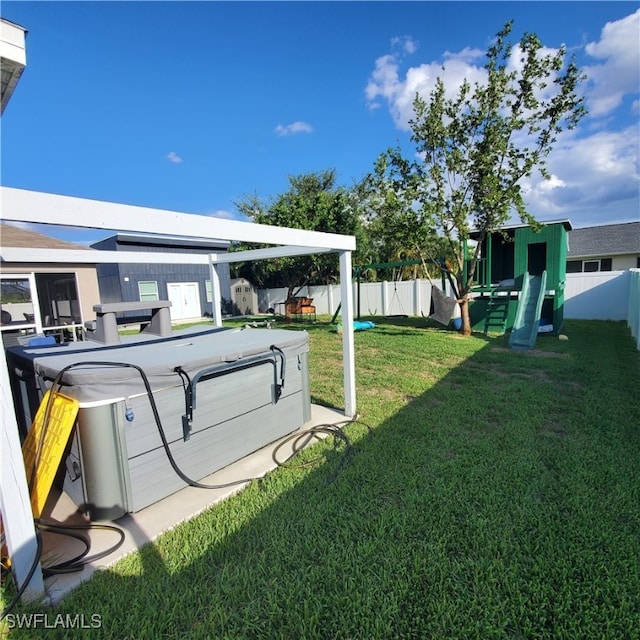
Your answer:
<point x="395" y="229"/>
<point x="313" y="202"/>
<point x="474" y="149"/>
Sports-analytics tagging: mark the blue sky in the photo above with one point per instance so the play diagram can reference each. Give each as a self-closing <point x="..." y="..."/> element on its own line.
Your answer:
<point x="192" y="106"/>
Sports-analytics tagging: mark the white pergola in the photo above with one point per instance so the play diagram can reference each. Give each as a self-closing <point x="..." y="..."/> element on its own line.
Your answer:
<point x="36" y="207"/>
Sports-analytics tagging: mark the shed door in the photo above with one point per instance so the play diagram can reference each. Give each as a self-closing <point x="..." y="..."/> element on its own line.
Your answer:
<point x="185" y="300"/>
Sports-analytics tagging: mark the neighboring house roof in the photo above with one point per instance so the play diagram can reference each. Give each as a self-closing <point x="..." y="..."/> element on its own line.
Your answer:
<point x="11" y="236"/>
<point x="605" y="240"/>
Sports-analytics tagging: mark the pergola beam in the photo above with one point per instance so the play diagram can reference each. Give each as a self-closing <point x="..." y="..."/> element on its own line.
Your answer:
<point x="265" y="254"/>
<point x="47" y="208"/>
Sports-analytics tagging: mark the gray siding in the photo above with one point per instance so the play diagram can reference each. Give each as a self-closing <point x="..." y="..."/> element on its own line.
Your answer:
<point x="119" y="282"/>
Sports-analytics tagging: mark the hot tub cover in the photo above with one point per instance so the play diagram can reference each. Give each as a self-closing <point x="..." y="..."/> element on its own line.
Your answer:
<point x="190" y="350"/>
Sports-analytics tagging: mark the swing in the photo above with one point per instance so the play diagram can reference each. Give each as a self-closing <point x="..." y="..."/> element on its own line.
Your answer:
<point x="396" y="296"/>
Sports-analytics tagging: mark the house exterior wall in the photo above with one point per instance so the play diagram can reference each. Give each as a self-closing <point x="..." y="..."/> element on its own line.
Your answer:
<point x="618" y="262"/>
<point x="86" y="276"/>
<point x="622" y="263"/>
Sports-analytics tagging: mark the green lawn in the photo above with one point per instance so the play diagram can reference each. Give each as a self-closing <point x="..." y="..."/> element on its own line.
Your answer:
<point x="489" y="494"/>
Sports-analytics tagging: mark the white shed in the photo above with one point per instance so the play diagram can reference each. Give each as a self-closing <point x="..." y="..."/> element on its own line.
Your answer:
<point x="244" y="297"/>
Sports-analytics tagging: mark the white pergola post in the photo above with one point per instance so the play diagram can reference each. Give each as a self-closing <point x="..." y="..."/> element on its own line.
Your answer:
<point x="17" y="518"/>
<point x="215" y="294"/>
<point x="348" y="357"/>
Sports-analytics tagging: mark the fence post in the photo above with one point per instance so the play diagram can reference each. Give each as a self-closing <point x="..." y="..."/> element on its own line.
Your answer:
<point x="633" y="313"/>
<point x="383" y="295"/>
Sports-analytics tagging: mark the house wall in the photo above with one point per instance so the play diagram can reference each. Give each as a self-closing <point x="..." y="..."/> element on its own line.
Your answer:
<point x="86" y="275"/>
<point x="618" y="263"/>
<point x="622" y="263"/>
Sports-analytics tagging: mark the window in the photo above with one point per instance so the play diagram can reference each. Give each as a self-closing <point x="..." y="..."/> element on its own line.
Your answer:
<point x="16" y="301"/>
<point x="148" y="290"/>
<point x="589" y="266"/>
<point x="39" y="302"/>
<point x="207" y="286"/>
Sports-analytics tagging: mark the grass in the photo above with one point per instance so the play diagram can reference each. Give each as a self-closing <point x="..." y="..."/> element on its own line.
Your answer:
<point x="492" y="494"/>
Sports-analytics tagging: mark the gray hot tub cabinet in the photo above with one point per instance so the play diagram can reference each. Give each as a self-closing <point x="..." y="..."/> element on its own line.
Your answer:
<point x="220" y="395"/>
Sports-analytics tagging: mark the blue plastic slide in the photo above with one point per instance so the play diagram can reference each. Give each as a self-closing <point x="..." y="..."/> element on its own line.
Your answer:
<point x="525" y="328"/>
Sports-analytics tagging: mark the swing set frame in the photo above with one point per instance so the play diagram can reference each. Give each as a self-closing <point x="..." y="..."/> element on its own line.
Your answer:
<point x="360" y="268"/>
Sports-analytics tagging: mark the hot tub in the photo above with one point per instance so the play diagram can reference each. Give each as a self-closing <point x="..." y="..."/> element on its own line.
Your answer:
<point x="220" y="394"/>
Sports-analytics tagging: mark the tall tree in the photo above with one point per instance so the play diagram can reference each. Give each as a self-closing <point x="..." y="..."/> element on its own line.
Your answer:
<point x="313" y="202"/>
<point x="474" y="149"/>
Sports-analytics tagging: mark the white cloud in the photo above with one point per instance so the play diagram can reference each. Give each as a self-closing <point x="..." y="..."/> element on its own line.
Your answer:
<point x="173" y="157"/>
<point x="293" y="128"/>
<point x="223" y="215"/>
<point x="385" y="84"/>
<point x="405" y="44"/>
<point x="617" y="75"/>
<point x="592" y="177"/>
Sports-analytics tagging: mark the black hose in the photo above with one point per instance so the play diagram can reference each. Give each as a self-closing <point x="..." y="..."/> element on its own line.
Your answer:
<point x="81" y="560"/>
<point x="27" y="579"/>
<point x="327" y="429"/>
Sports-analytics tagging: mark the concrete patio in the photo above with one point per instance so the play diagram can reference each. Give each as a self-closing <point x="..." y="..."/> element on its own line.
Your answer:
<point x="147" y="524"/>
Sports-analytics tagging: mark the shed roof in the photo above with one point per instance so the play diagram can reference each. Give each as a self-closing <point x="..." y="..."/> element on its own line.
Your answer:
<point x="565" y="222"/>
<point x="608" y="239"/>
<point x="162" y="240"/>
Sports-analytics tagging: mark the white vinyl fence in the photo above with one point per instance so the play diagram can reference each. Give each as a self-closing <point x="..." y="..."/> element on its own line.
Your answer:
<point x="610" y="295"/>
<point x="409" y="298"/>
<point x="633" y="315"/>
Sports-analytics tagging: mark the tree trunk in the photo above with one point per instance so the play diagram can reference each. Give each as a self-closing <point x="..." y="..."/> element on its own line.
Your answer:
<point x="464" y="315"/>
